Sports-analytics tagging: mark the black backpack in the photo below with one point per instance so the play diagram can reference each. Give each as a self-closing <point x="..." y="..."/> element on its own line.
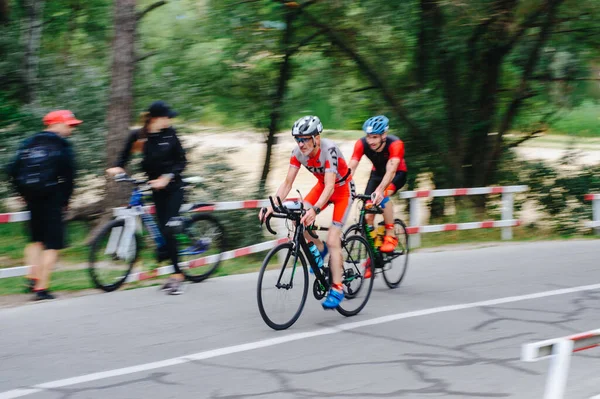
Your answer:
<point x="37" y="164"/>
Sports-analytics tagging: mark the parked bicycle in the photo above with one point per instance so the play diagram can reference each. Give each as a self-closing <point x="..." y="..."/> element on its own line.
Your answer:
<point x="283" y="278"/>
<point x="392" y="265"/>
<point x="115" y="249"/>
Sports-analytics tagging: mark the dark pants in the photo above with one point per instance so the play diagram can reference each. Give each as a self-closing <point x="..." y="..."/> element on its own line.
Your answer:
<point x="398" y="181"/>
<point x="46" y="224"/>
<point x="167" y="203"/>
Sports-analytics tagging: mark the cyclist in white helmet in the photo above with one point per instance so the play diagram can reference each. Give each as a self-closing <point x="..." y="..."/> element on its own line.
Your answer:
<point x="324" y="160"/>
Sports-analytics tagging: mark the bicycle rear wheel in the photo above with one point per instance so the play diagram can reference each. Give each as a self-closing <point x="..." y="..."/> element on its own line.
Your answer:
<point x="396" y="263"/>
<point x="358" y="275"/>
<point x="201" y="245"/>
<point x="282" y="286"/>
<point x="113" y="253"/>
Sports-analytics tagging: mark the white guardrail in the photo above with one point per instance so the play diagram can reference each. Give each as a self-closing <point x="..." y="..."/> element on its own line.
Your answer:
<point x="506" y="223"/>
<point x="558" y="351"/>
<point x="414" y="230"/>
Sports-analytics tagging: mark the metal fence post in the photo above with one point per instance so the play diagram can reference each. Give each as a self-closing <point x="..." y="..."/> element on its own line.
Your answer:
<point x="596" y="213"/>
<point x="414" y="240"/>
<point x="507" y="214"/>
<point x="556" y="382"/>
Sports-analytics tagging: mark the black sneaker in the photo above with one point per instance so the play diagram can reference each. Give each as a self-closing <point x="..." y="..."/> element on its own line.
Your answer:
<point x="29" y="285"/>
<point x="43" y="295"/>
<point x="176" y="287"/>
<point x="167" y="286"/>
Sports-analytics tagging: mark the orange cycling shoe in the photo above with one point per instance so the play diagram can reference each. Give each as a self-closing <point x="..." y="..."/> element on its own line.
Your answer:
<point x="389" y="244"/>
<point x="368" y="268"/>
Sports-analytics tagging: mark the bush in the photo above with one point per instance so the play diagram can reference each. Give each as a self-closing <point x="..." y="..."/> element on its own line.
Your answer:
<point x="223" y="183"/>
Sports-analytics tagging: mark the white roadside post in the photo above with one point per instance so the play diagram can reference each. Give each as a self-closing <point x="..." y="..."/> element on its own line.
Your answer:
<point x="507" y="214"/>
<point x="559" y="351"/>
<point x="414" y="240"/>
<point x="596" y="213"/>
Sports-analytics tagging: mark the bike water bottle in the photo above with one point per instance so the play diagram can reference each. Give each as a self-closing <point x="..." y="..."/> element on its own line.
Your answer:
<point x="316" y="254"/>
<point x="380" y="234"/>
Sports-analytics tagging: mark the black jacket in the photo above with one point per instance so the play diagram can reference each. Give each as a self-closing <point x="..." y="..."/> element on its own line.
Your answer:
<point x="65" y="165"/>
<point x="162" y="154"/>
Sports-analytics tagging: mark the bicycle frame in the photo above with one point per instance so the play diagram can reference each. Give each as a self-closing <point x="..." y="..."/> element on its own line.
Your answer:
<point x="379" y="257"/>
<point x="135" y="210"/>
<point x="300" y="242"/>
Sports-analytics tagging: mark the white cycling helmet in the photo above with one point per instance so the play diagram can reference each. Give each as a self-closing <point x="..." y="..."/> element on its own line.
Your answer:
<point x="307" y="126"/>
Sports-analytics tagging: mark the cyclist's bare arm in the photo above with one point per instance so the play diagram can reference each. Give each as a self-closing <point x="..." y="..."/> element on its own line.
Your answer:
<point x="352" y="165"/>
<point x="283" y="190"/>
<point x="390" y="171"/>
<point x="357" y="154"/>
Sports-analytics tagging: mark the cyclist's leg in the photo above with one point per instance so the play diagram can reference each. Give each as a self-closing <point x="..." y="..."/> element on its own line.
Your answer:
<point x="374" y="181"/>
<point x="390" y="240"/>
<point x="342" y="204"/>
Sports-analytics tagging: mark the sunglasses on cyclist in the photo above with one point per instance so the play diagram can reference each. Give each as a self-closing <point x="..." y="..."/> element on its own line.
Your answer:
<point x="302" y="140"/>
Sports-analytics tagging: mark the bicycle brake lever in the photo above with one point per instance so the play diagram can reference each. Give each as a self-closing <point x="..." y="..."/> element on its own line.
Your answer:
<point x="273" y="204"/>
<point x="283" y="208"/>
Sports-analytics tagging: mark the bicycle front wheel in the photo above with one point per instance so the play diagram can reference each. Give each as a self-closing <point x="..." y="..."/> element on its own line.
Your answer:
<point x="113" y="253"/>
<point x="358" y="276"/>
<point x="201" y="246"/>
<point x="353" y="229"/>
<point x="282" y="286"/>
<point x="396" y="263"/>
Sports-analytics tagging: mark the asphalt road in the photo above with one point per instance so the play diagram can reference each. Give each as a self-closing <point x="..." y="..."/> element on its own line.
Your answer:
<point x="454" y="329"/>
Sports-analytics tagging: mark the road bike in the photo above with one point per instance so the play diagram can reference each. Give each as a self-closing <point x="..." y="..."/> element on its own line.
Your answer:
<point x="116" y="248"/>
<point x="392" y="265"/>
<point x="283" y="279"/>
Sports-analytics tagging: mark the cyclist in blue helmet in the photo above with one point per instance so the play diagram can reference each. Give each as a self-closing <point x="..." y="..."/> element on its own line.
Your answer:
<point x="388" y="175"/>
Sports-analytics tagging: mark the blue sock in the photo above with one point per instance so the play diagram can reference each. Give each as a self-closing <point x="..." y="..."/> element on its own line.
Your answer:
<point x="324" y="252"/>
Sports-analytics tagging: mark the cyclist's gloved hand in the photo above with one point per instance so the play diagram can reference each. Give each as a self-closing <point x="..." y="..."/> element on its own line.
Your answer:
<point x="264" y="213"/>
<point x="377" y="196"/>
<point x="309" y="217"/>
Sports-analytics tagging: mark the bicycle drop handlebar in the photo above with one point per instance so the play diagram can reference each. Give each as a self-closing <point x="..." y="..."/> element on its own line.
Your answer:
<point x="280" y="211"/>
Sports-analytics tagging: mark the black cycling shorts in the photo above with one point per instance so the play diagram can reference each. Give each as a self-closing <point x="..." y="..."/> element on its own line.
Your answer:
<point x="398" y="182"/>
<point x="46" y="224"/>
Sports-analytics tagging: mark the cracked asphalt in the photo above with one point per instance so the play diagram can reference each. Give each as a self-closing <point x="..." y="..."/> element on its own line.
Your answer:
<point x="469" y="352"/>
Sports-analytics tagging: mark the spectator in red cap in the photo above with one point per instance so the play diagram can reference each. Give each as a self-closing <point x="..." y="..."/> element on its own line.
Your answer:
<point x="42" y="173"/>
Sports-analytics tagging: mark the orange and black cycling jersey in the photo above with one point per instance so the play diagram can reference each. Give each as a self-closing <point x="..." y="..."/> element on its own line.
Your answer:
<point x="393" y="148"/>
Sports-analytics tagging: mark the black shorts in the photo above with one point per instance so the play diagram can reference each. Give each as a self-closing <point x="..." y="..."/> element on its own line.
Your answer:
<point x="398" y="182"/>
<point x="46" y="224"/>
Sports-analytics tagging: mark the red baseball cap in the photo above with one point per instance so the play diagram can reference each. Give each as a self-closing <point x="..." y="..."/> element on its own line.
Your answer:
<point x="61" y="116"/>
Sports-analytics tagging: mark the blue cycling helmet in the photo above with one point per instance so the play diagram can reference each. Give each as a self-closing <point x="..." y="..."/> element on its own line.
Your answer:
<point x="376" y="125"/>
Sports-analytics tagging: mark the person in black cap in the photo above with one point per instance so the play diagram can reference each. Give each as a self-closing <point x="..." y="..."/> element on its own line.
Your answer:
<point x="163" y="160"/>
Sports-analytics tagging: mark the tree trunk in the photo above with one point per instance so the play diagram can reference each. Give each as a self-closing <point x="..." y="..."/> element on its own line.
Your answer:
<point x="121" y="94"/>
<point x="35" y="13"/>
<point x="4" y="12"/>
<point x="426" y="43"/>
<point x="284" y="76"/>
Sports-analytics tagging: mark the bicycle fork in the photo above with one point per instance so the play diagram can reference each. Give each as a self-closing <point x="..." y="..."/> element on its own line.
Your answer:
<point x="122" y="239"/>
